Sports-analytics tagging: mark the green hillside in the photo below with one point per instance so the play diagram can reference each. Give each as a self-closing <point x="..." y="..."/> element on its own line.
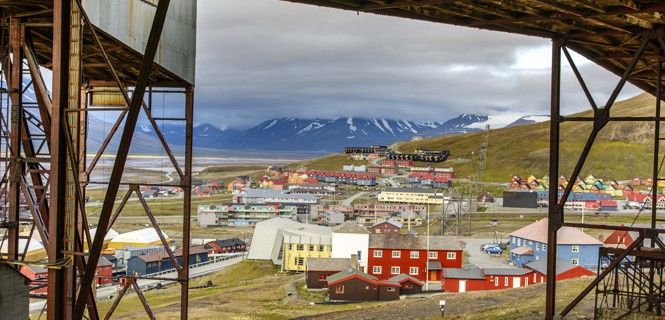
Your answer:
<point x="623" y="150"/>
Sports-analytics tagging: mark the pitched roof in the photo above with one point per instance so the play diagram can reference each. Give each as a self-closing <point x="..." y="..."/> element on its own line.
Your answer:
<point x="537" y="231"/>
<point x="227" y="242"/>
<point x="405" y="277"/>
<point x="463" y="273"/>
<point x="328" y="264"/>
<point x="540" y="265"/>
<point x="162" y="255"/>
<point x="522" y="251"/>
<point x="506" y="271"/>
<point x="434" y="265"/>
<point x="391" y="222"/>
<point x="417" y="242"/>
<point x="350" y="227"/>
<point x="147" y="235"/>
<point x="349" y="272"/>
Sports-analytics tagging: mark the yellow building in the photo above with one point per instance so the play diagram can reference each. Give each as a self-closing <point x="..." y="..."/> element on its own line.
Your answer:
<point x="411" y="195"/>
<point x="297" y="247"/>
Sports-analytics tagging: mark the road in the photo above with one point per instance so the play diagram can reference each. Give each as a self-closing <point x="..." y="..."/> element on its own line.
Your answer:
<point x="108" y="292"/>
<point x="479" y="258"/>
<point x="349" y="200"/>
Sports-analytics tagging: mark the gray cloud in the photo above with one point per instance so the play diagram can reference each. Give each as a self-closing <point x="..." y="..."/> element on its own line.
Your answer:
<point x="266" y="58"/>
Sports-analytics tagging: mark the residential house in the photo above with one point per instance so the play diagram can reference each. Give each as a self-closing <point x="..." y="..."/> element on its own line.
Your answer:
<point x="245" y="215"/>
<point x="386" y="226"/>
<point x="350" y="239"/>
<point x="38" y="277"/>
<point x="160" y="261"/>
<point x="319" y="269"/>
<point x="392" y="254"/>
<point x="564" y="270"/>
<point x="475" y="279"/>
<point x="530" y="243"/>
<point x="411" y="195"/>
<point x="289" y="243"/>
<point x="332" y="218"/>
<point x="231" y="245"/>
<point x="408" y="284"/>
<point x="622" y="239"/>
<point x="124" y="254"/>
<point x="354" y="285"/>
<point x="267" y="196"/>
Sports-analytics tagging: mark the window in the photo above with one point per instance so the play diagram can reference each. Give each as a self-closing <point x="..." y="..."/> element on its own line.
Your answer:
<point x="451" y="255"/>
<point x="575" y="248"/>
<point x="514" y="240"/>
<point x="519" y="241"/>
<point x="575" y="261"/>
<point x="394" y="270"/>
<point x="323" y="277"/>
<point x="377" y="230"/>
<point x="311" y="247"/>
<point x="415" y="254"/>
<point x="290" y="246"/>
<point x="391" y="289"/>
<point x="376" y="270"/>
<point x="397" y="254"/>
<point x="537" y="246"/>
<point x="544" y="247"/>
<point x="413" y="271"/>
<point x="530" y="242"/>
<point x="300" y="261"/>
<point x="496" y="281"/>
<point x="434" y="255"/>
<point x="301" y="247"/>
<point x="505" y="281"/>
<point x="321" y="247"/>
<point x="534" y="278"/>
<point x="378" y="253"/>
<point x="339" y="289"/>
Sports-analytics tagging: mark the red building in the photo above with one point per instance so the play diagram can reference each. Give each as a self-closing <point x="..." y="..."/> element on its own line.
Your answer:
<point x="104" y="271"/>
<point x="38" y="277"/>
<point x="564" y="270"/>
<point x="354" y="285"/>
<point x="388" y="163"/>
<point x="389" y="171"/>
<point x="393" y="254"/>
<point x="475" y="279"/>
<point x="375" y="170"/>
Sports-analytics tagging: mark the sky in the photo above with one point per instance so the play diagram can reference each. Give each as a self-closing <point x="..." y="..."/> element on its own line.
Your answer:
<point x="262" y="59"/>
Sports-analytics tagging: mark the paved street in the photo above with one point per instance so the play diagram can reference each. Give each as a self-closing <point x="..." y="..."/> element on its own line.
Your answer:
<point x="347" y="201"/>
<point x="479" y="258"/>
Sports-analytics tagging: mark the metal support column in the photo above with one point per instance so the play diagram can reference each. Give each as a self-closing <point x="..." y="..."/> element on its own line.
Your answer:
<point x="554" y="213"/>
<point x="186" y="184"/>
<point x="58" y="306"/>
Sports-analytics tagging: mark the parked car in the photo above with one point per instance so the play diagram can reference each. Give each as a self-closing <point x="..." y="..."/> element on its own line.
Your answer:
<point x="493" y="250"/>
<point x="489" y="245"/>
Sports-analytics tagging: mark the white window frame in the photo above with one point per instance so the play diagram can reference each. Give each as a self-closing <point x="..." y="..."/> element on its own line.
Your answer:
<point x="575" y="248"/>
<point x="415" y="254"/>
<point x="377" y="253"/>
<point x="396" y="254"/>
<point x="377" y="269"/>
<point x="514" y="240"/>
<point x="395" y="270"/>
<point x="496" y="281"/>
<point x="413" y="271"/>
<point x="433" y="255"/>
<point x="537" y="246"/>
<point x="519" y="242"/>
<point x="505" y="281"/>
<point x="451" y="255"/>
<point x="575" y="261"/>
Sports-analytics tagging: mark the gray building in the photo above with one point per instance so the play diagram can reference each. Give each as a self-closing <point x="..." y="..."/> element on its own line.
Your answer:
<point x="14" y="299"/>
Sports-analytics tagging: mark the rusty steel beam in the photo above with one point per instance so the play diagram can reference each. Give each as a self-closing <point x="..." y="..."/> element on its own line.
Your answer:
<point x="121" y="158"/>
<point x="554" y="211"/>
<point x="58" y="306"/>
<point x="15" y="82"/>
<point x="186" y="184"/>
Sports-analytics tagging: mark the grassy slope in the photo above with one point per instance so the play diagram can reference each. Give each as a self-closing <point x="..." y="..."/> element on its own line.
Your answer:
<point x="623" y="150"/>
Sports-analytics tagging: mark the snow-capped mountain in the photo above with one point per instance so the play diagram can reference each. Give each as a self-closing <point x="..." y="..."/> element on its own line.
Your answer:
<point x="318" y="135"/>
<point x="529" y="120"/>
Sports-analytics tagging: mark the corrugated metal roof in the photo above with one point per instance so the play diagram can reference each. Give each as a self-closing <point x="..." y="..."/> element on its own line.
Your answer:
<point x="541" y="266"/>
<point x="506" y="271"/>
<point x="463" y="273"/>
<point x="328" y="264"/>
<point x="350" y="227"/>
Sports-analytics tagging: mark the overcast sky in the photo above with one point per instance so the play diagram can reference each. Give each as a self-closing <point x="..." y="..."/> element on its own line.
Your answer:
<point x="261" y="59"/>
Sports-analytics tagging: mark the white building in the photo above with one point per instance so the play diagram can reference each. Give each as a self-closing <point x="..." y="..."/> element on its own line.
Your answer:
<point x="350" y="238"/>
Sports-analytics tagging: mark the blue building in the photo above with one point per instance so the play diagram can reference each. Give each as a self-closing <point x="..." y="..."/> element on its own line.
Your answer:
<point x="159" y="261"/>
<point x="530" y="243"/>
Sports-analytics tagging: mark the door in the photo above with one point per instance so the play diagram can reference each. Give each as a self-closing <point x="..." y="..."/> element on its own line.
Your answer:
<point x="516" y="282"/>
<point x="462" y="286"/>
<point x="432" y="275"/>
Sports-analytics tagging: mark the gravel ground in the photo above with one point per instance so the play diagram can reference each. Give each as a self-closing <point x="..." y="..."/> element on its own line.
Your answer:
<point x="479" y="258"/>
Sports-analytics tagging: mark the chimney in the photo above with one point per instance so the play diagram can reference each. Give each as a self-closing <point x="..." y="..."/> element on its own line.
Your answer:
<point x="354" y="261"/>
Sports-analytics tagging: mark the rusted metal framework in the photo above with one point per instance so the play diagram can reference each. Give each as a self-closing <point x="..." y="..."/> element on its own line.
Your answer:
<point x="45" y="165"/>
<point x="623" y="36"/>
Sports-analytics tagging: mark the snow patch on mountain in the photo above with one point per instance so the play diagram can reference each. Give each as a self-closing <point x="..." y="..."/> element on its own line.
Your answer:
<point x="349" y="121"/>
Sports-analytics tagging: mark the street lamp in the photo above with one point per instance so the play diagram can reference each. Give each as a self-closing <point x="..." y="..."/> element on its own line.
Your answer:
<point x="494" y="222"/>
